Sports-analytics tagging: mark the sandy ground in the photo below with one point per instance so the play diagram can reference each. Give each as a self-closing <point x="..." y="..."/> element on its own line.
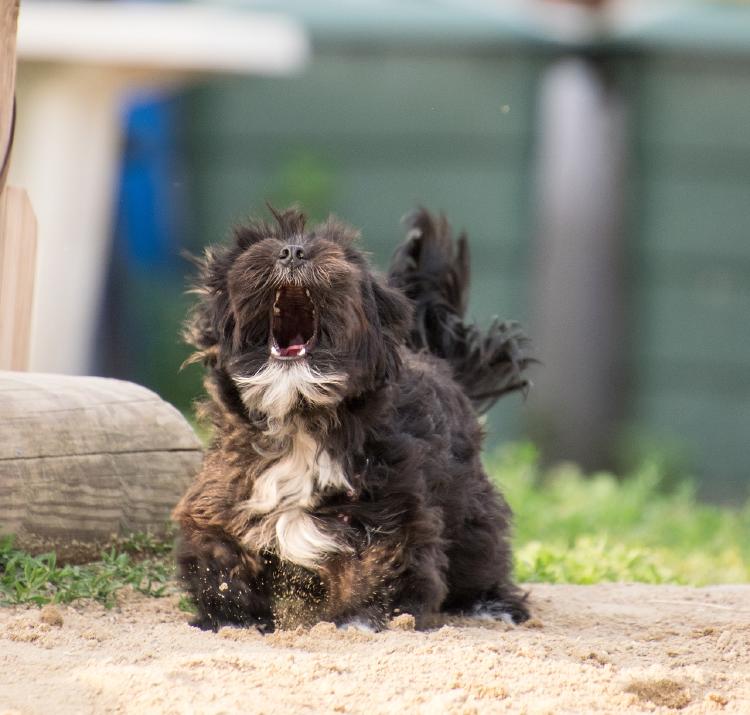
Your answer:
<point x="606" y="648"/>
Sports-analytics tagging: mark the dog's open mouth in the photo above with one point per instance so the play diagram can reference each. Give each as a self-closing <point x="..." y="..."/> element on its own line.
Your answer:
<point x="294" y="323"/>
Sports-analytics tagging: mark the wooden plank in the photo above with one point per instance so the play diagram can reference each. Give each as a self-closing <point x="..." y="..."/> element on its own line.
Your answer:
<point x="181" y="37"/>
<point x="8" y="22"/>
<point x="18" y="246"/>
<point x="17" y="221"/>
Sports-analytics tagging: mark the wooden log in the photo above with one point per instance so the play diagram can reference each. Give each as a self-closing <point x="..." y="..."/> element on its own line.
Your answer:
<point x="17" y="270"/>
<point x="84" y="460"/>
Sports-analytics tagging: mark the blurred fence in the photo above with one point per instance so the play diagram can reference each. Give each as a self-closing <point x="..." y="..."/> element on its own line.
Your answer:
<point x="688" y="230"/>
<point x="398" y="109"/>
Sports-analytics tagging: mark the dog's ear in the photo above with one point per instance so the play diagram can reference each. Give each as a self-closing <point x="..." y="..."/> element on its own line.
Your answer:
<point x="392" y="320"/>
<point x="251" y="232"/>
<point x="210" y="325"/>
<point x="394" y="310"/>
<point x="210" y="322"/>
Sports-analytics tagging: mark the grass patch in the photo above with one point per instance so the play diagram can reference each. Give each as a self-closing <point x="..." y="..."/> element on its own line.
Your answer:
<point x="40" y="579"/>
<point x="573" y="528"/>
<point x="569" y="528"/>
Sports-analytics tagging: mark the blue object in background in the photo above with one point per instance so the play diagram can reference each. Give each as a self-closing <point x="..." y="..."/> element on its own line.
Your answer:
<point x="149" y="206"/>
<point x="145" y="302"/>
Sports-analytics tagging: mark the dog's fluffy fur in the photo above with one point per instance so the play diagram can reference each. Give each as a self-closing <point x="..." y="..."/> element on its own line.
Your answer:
<point x="344" y="481"/>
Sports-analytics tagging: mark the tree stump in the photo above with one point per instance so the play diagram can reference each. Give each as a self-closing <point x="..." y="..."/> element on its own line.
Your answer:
<point x="86" y="459"/>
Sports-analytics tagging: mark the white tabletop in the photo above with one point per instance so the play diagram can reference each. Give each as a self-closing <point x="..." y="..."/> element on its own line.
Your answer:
<point x="171" y="36"/>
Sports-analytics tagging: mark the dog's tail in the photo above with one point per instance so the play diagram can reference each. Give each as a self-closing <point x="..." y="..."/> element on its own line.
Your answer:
<point x="433" y="271"/>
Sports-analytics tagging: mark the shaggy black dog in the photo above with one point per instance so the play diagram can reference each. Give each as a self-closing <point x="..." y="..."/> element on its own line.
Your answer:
<point x="344" y="481"/>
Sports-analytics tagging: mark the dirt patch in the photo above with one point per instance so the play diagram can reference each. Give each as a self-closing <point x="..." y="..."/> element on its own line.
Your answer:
<point x="663" y="691"/>
<point x="605" y="648"/>
<point x="51" y="616"/>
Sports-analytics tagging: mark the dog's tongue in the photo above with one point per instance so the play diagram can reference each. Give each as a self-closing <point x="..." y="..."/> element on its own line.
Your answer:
<point x="295" y="348"/>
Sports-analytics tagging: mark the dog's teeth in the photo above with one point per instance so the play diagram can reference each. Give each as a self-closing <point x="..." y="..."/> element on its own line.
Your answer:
<point x="302" y="351"/>
<point x="275" y="351"/>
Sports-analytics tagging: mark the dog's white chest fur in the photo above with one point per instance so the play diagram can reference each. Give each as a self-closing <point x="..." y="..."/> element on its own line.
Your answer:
<point x="301" y="469"/>
<point x="288" y="489"/>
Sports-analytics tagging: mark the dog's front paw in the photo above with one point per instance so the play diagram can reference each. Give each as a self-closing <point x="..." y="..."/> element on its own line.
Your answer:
<point x="362" y="625"/>
<point x="512" y="611"/>
<point x="205" y="623"/>
<point x="369" y="620"/>
<point x="209" y="623"/>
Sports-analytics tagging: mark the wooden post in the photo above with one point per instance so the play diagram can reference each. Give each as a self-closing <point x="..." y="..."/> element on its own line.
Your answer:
<point x="8" y="22"/>
<point x="579" y="291"/>
<point x="77" y="62"/>
<point x="17" y="267"/>
<point x="17" y="221"/>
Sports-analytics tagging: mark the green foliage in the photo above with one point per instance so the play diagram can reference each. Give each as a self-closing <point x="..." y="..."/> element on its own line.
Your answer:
<point x="142" y="545"/>
<point x="39" y="579"/>
<point x="570" y="528"/>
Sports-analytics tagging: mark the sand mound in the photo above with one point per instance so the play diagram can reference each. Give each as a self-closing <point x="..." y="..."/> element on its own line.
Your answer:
<point x="606" y="648"/>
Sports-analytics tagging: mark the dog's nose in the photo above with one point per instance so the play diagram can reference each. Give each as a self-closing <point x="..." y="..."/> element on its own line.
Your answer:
<point x="291" y="254"/>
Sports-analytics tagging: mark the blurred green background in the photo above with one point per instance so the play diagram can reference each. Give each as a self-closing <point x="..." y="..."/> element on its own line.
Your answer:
<point x="438" y="104"/>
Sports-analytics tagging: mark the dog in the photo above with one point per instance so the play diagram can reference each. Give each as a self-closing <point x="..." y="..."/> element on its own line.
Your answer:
<point x="344" y="480"/>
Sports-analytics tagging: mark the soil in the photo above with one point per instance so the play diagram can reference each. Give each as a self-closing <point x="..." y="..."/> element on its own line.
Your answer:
<point x="606" y="648"/>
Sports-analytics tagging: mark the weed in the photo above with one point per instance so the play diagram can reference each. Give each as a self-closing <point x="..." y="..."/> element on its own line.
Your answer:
<point x="573" y="528"/>
<point x="39" y="579"/>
